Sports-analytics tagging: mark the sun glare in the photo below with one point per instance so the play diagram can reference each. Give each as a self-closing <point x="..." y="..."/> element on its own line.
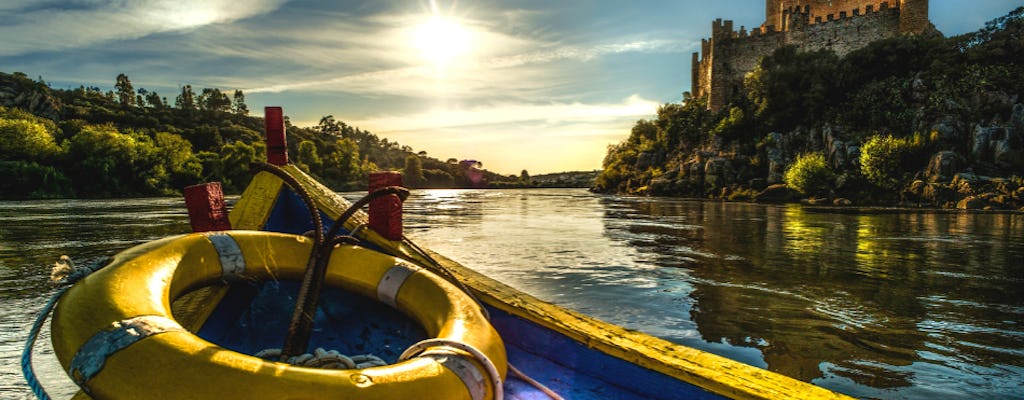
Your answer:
<point x="441" y="40"/>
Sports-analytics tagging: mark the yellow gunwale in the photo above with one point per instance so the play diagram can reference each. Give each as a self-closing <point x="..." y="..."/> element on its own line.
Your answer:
<point x="711" y="372"/>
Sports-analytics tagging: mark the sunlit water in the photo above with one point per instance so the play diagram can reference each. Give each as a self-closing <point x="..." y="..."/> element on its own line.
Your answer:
<point x="911" y="305"/>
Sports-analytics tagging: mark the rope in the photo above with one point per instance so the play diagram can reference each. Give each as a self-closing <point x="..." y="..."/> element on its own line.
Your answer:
<point x="531" y="381"/>
<point x="64" y="274"/>
<point x="448" y="275"/>
<point x="301" y="326"/>
<point x="321" y="358"/>
<point x="302" y="321"/>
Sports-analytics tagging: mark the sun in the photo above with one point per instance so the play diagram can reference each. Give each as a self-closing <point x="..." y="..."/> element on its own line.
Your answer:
<point x="442" y="40"/>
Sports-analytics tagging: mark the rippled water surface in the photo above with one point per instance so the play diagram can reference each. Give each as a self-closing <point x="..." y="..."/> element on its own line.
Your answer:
<point x="900" y="305"/>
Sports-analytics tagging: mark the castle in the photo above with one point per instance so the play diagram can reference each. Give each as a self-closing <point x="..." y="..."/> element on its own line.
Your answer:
<point x="839" y="25"/>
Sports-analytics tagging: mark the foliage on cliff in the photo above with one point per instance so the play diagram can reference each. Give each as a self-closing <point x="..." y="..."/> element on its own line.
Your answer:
<point x="876" y="117"/>
<point x="134" y="142"/>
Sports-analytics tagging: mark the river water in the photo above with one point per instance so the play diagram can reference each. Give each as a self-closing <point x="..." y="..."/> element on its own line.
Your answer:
<point x="908" y="305"/>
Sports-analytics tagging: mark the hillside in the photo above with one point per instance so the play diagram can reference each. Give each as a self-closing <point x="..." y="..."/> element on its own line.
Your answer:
<point x="88" y="143"/>
<point x="914" y="120"/>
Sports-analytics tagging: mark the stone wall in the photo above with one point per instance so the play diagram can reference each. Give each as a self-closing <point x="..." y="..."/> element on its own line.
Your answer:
<point x="840" y="25"/>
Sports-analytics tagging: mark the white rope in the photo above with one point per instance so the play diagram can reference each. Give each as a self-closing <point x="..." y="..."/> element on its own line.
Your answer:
<point x="531" y="381"/>
<point x="327" y="359"/>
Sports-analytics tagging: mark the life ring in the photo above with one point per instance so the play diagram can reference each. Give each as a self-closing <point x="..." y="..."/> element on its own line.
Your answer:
<point x="115" y="334"/>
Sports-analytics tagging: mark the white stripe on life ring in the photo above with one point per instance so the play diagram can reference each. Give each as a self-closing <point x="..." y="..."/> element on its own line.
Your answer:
<point x="232" y="263"/>
<point x="391" y="282"/>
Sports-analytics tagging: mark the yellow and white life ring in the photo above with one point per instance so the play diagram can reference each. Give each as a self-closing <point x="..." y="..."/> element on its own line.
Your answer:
<point x="115" y="334"/>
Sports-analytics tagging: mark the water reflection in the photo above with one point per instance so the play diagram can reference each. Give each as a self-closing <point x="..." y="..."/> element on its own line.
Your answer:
<point x="874" y="305"/>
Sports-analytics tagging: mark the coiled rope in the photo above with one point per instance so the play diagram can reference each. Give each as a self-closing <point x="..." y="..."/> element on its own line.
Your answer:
<point x="327" y="359"/>
<point x="64" y="274"/>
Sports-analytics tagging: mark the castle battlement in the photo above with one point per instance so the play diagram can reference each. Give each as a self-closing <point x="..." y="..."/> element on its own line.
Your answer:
<point x="838" y="25"/>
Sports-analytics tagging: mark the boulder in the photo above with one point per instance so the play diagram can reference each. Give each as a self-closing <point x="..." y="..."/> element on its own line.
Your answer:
<point x="972" y="203"/>
<point x="1017" y="117"/>
<point x="718" y="173"/>
<point x="943" y="166"/>
<point x="777" y="193"/>
<point x="842" y="202"/>
<point x="948" y="129"/>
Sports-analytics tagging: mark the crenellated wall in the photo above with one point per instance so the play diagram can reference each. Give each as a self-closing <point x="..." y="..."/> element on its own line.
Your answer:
<point x="840" y="25"/>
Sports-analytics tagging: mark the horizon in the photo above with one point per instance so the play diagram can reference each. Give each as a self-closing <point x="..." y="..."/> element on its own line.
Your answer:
<point x="530" y="86"/>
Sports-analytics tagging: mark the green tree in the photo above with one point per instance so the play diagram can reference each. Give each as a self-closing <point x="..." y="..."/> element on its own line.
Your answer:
<point x="154" y="100"/>
<point x="524" y="178"/>
<point x="239" y="106"/>
<point x="175" y="154"/>
<point x="413" y="172"/>
<point x="329" y="126"/>
<point x="186" y="100"/>
<point x="789" y="88"/>
<point x="125" y="92"/>
<point x="886" y="161"/>
<point x="27" y="140"/>
<point x="212" y="99"/>
<point x="308" y="159"/>
<point x="30" y="180"/>
<point x="343" y="164"/>
<point x="809" y="174"/>
<point x="235" y="159"/>
<point x="104" y="162"/>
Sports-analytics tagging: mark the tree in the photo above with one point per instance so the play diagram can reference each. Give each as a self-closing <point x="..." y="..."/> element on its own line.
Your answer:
<point x="214" y="100"/>
<point x="155" y="101"/>
<point x="27" y="138"/>
<point x="235" y="159"/>
<point x="308" y="158"/>
<point x="886" y="160"/>
<point x="329" y="126"/>
<point x="186" y="100"/>
<point x="240" y="108"/>
<point x="176" y="157"/>
<point x="413" y="173"/>
<point x="809" y="174"/>
<point x="524" y="178"/>
<point x="125" y="92"/>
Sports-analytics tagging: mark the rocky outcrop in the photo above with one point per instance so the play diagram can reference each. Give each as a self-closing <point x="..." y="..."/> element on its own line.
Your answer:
<point x="778" y="193"/>
<point x="943" y="166"/>
<point x="19" y="91"/>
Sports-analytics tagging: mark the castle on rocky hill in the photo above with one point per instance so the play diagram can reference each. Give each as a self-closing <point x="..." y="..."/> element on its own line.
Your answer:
<point x="840" y="25"/>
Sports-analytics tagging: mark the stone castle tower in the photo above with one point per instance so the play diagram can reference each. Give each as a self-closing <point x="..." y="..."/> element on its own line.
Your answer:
<point x="839" y="25"/>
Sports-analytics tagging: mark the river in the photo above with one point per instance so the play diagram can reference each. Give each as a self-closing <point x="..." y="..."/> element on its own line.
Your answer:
<point x="907" y="304"/>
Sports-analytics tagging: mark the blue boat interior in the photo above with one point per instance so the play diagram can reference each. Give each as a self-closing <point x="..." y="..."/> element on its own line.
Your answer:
<point x="255" y="316"/>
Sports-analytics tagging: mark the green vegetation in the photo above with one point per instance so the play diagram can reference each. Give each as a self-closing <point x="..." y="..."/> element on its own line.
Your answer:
<point x="928" y="92"/>
<point x="809" y="174"/>
<point x="134" y="142"/>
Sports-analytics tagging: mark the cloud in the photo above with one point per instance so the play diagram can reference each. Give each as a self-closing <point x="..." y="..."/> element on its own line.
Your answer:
<point x="76" y="24"/>
<point x="511" y="114"/>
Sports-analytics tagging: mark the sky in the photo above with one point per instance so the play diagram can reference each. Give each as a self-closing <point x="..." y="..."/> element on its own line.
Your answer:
<point x="538" y="85"/>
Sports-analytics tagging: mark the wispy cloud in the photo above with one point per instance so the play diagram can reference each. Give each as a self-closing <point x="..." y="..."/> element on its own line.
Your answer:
<point x="31" y="27"/>
<point x="511" y="114"/>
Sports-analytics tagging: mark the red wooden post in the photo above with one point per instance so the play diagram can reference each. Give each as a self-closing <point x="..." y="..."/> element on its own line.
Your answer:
<point x="206" y="208"/>
<point x="277" y="145"/>
<point x="386" y="212"/>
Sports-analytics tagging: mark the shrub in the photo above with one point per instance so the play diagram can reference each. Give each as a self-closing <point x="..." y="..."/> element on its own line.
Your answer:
<point x="809" y="174"/>
<point x="885" y="160"/>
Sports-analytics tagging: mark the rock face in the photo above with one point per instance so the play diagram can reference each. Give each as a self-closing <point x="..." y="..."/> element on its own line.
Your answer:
<point x="1002" y="146"/>
<point x="943" y="166"/>
<point x="718" y="173"/>
<point x="18" y="91"/>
